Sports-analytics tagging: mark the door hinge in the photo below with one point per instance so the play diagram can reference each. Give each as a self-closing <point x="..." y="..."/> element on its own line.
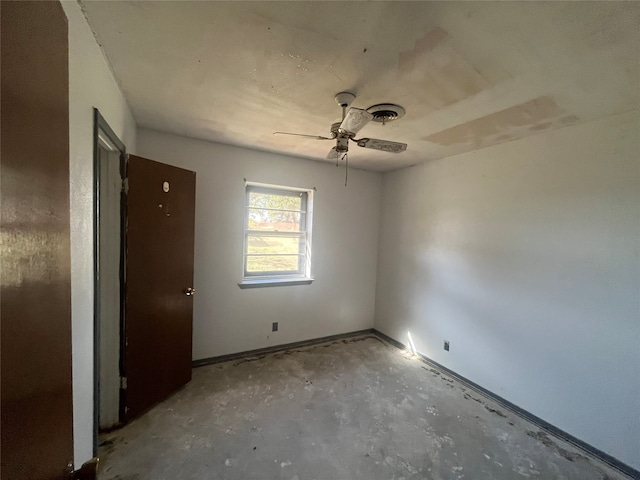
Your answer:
<point x="123" y="383"/>
<point x="125" y="185"/>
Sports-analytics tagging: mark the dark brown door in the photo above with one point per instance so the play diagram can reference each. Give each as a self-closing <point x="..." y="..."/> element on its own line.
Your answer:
<point x="37" y="411"/>
<point x="159" y="273"/>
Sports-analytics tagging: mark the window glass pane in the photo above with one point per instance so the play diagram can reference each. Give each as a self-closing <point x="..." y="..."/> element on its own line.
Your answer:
<point x="273" y="263"/>
<point x="274" y="245"/>
<point x="271" y="200"/>
<point x="275" y="221"/>
<point x="276" y="231"/>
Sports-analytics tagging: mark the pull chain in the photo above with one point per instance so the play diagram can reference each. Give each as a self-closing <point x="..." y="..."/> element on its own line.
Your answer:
<point x="346" y="170"/>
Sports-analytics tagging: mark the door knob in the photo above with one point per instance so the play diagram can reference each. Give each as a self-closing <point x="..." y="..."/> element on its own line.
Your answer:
<point x="190" y="292"/>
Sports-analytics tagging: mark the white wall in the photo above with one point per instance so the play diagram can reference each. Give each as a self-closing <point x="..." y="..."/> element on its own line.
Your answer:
<point x="228" y="319"/>
<point x="526" y="257"/>
<point x="91" y="84"/>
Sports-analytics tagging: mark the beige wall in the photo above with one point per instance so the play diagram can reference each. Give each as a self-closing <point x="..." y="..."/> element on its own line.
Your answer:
<point x="526" y="257"/>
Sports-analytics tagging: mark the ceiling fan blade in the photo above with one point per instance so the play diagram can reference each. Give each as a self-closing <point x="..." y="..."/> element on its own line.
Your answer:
<point x="317" y="137"/>
<point x="355" y="119"/>
<point x="383" y="145"/>
<point x="333" y="154"/>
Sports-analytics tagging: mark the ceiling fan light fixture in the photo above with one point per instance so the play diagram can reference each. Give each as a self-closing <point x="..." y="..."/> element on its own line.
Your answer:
<point x="342" y="144"/>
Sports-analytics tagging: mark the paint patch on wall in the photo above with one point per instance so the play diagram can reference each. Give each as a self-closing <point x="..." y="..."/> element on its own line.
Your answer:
<point x="436" y="74"/>
<point x="509" y="124"/>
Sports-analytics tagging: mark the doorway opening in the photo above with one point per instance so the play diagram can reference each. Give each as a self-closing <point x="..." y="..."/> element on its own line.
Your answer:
<point x="109" y="164"/>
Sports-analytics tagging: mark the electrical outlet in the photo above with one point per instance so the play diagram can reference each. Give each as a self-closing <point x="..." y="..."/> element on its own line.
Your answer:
<point x="274" y="327"/>
<point x="446" y="345"/>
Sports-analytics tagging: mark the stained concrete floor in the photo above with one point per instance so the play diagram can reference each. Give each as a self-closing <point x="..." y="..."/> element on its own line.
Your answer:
<point x="350" y="409"/>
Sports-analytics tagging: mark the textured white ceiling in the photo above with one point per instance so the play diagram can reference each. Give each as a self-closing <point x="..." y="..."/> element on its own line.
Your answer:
<point x="469" y="74"/>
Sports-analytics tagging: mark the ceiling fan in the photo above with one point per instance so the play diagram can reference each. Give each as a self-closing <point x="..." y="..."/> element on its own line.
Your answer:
<point x="353" y="120"/>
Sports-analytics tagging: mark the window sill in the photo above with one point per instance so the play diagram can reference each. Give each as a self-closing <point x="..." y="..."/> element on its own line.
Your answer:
<point x="274" y="282"/>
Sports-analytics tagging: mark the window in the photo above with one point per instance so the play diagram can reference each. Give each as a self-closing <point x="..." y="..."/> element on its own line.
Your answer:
<point x="277" y="235"/>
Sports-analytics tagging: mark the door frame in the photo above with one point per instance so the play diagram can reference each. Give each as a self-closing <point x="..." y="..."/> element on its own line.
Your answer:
<point x="102" y="128"/>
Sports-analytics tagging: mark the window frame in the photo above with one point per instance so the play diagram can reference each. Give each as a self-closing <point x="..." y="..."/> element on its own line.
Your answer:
<point x="302" y="275"/>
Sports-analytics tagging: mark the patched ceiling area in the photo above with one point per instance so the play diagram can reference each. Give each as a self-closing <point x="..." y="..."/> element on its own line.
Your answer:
<point x="469" y="74"/>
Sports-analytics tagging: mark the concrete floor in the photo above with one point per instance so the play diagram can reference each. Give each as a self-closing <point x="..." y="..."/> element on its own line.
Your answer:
<point x="350" y="409"/>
